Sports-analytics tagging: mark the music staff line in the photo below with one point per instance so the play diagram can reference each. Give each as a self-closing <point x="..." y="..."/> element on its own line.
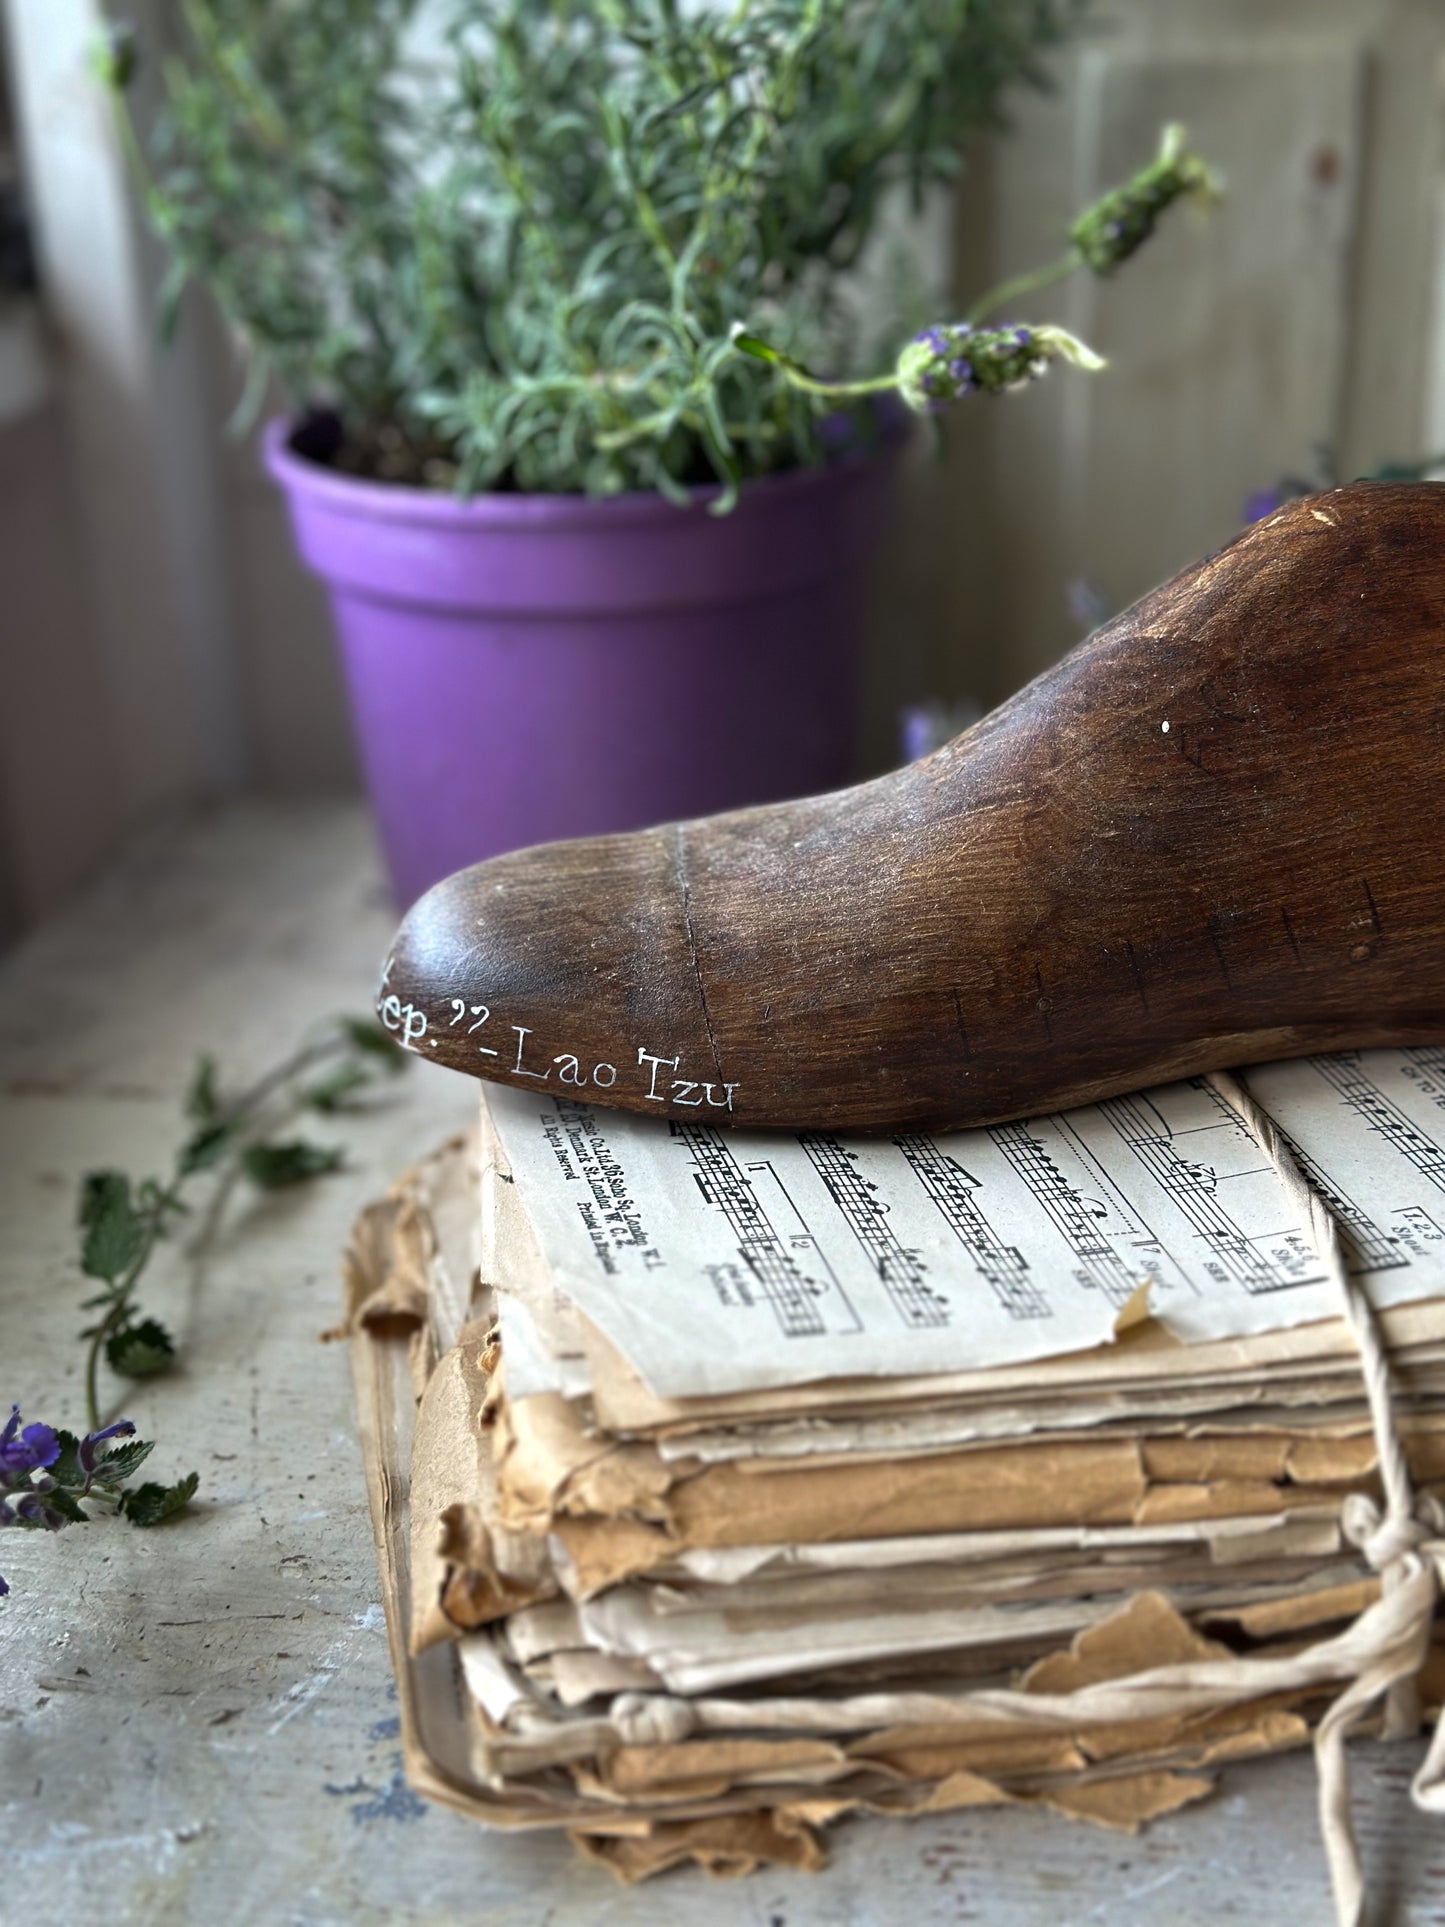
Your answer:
<point x="902" y="1273"/>
<point x="1192" y="1185"/>
<point x="799" y="1300"/>
<point x="1362" y="1094"/>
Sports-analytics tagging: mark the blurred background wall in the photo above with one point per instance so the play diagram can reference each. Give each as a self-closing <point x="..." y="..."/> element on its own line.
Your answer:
<point x="162" y="645"/>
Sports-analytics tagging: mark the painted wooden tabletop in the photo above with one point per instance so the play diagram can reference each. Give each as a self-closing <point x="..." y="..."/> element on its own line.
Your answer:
<point x="196" y="1724"/>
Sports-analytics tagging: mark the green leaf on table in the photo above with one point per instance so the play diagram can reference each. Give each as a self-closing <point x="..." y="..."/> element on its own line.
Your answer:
<point x="115" y="1232"/>
<point x="65" y="1470"/>
<point x="114" y="1463"/>
<point x="203" y="1100"/>
<point x="274" y="1166"/>
<point x="207" y="1146"/>
<point x="65" y="1503"/>
<point x="151" y="1504"/>
<point x="140" y="1350"/>
<point x="366" y="1035"/>
<point x="331" y="1092"/>
<point x="96" y="1191"/>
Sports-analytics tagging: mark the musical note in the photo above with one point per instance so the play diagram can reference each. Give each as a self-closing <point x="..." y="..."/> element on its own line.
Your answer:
<point x="952" y="1190"/>
<point x="1368" y="1101"/>
<point x="805" y="1305"/>
<point x="903" y="1274"/>
<point x="1079" y="1222"/>
<point x="1193" y="1185"/>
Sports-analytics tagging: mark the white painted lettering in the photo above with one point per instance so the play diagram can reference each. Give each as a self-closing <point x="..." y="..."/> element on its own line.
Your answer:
<point x="413" y="1024"/>
<point x="610" y="1079"/>
<point x="523" y="1033"/>
<point x="571" y="1071"/>
<point x="645" y="1057"/>
<point x="681" y="1087"/>
<point x="391" y="1012"/>
<point x="723" y="1103"/>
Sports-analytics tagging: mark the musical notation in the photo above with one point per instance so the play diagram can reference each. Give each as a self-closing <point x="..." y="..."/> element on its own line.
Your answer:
<point x="951" y="1189"/>
<point x="1192" y="1185"/>
<point x="1347" y="1075"/>
<point x="717" y="1260"/>
<point x="902" y="1273"/>
<point x="807" y="1302"/>
<point x="1367" y="1246"/>
<point x="1079" y="1220"/>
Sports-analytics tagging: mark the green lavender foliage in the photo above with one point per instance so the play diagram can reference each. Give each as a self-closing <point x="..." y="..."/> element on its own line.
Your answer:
<point x="514" y="261"/>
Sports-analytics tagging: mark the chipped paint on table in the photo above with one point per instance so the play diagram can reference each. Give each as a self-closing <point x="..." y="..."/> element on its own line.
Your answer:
<point x="196" y="1723"/>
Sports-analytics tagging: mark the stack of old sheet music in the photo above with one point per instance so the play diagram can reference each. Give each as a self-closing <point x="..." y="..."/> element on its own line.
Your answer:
<point x="748" y="1469"/>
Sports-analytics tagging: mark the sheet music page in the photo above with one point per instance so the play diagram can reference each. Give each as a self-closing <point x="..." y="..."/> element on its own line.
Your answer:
<point x="719" y="1261"/>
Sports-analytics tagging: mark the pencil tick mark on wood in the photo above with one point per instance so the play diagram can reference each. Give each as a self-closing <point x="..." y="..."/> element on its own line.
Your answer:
<point x="1138" y="976"/>
<point x="1044" y="1004"/>
<point x="1289" y="932"/>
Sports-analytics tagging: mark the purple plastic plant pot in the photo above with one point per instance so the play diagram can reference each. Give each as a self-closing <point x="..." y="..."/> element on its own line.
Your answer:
<point x="523" y="668"/>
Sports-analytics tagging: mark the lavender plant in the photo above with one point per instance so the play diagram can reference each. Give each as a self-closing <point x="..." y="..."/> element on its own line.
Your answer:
<point x="514" y="261"/>
<point x="48" y="1475"/>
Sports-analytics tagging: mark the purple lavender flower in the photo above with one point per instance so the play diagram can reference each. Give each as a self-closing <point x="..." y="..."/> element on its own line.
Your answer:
<point x="945" y="363"/>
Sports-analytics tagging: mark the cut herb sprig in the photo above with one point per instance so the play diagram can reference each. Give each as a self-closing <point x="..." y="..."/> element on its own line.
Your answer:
<point x="953" y="359"/>
<point x="123" y="1222"/>
<point x="46" y="1474"/>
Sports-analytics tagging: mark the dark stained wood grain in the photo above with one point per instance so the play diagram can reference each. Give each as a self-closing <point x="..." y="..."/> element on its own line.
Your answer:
<point x="1213" y="835"/>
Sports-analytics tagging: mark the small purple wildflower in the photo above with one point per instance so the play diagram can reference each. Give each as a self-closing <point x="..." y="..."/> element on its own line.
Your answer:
<point x="38" y="1490"/>
<point x="85" y="1452"/>
<point x="33" y="1511"/>
<point x="925" y="727"/>
<point x="920" y="730"/>
<point x="1264" y="501"/>
<point x="34" y="1449"/>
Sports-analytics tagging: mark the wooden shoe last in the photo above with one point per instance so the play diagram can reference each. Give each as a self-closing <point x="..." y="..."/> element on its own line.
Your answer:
<point x="1214" y="834"/>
